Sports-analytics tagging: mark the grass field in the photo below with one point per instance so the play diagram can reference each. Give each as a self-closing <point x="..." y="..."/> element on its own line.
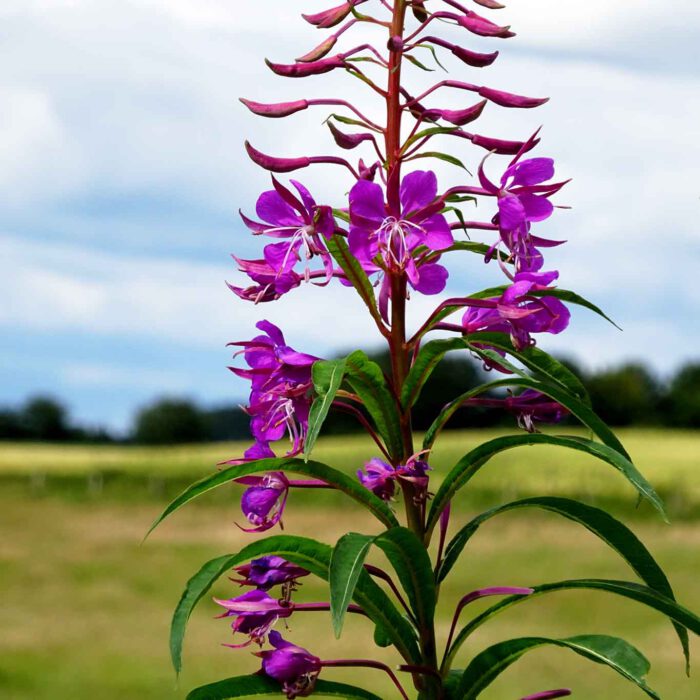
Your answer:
<point x="85" y="609"/>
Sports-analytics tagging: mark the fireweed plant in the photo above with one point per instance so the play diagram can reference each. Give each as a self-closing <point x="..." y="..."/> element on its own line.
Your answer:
<point x="390" y="239"/>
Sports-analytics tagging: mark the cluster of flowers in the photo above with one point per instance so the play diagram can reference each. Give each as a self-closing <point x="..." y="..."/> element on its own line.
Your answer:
<point x="254" y="614"/>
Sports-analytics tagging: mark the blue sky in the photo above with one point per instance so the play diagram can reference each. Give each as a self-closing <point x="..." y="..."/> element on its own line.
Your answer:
<point x="121" y="171"/>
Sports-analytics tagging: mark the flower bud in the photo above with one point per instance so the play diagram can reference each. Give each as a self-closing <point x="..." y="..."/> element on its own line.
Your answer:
<point x="331" y="17"/>
<point x="501" y="146"/>
<point x="347" y="141"/>
<point x="483" y="27"/>
<point x="302" y="70"/>
<point x="473" y="58"/>
<point x="275" y="109"/>
<point x="508" y="99"/>
<point x="276" y="165"/>
<point x="460" y="117"/>
<point x="320" y="51"/>
<point x="491" y="4"/>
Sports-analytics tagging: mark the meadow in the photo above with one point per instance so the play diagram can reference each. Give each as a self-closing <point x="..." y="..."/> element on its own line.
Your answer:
<point x="85" y="607"/>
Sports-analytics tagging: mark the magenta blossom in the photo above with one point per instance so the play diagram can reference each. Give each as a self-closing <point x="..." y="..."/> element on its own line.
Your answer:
<point x="300" y="224"/>
<point x="380" y="478"/>
<point x="254" y="614"/>
<point x="518" y="312"/>
<point x="388" y="241"/>
<point x="523" y="199"/>
<point x="270" y="282"/>
<point x="266" y="572"/>
<point x="263" y="502"/>
<point x="293" y="667"/>
<point x="281" y="388"/>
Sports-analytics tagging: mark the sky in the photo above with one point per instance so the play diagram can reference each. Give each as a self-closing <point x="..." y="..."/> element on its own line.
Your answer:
<point x="122" y="170"/>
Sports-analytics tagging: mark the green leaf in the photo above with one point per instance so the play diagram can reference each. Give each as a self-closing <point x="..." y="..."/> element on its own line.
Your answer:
<point x="409" y="558"/>
<point x="680" y="616"/>
<point x="349" y="121"/>
<point x="431" y="131"/>
<point x="428" y="358"/>
<point x="470" y="464"/>
<point x="347" y="562"/>
<point x="440" y="156"/>
<point x="314" y="557"/>
<point x="610" y="651"/>
<point x="542" y="364"/>
<point x="327" y="376"/>
<point x="357" y="277"/>
<point x="368" y="381"/>
<point x="562" y="294"/>
<point x="381" y="638"/>
<point x="313" y="469"/>
<point x="610" y="530"/>
<point x="433" y="52"/>
<point x="451" y="408"/>
<point x="418" y="64"/>
<point x="470" y="247"/>
<point x="573" y="298"/>
<point x="247" y="686"/>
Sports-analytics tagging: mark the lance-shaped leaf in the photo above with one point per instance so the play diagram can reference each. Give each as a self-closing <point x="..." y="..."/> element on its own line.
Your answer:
<point x="316" y="470"/>
<point x="470" y="464"/>
<point x="452" y="160"/>
<point x="327" y="376"/>
<point x="610" y="530"/>
<point x="562" y="294"/>
<point x="543" y="365"/>
<point x="578" y="408"/>
<point x="405" y="553"/>
<point x="347" y="563"/>
<point x="539" y="362"/>
<point x="410" y="560"/>
<point x="368" y="382"/>
<point x="354" y="273"/>
<point x="315" y="557"/>
<point x="610" y="651"/>
<point x="249" y="686"/>
<point x="451" y="408"/>
<point x="682" y="617"/>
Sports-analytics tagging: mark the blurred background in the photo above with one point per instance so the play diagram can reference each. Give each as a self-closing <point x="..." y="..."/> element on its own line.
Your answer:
<point x="122" y="169"/>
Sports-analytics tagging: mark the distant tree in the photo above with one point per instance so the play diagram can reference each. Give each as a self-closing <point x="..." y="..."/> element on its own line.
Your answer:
<point x="44" y="418"/>
<point x="227" y="423"/>
<point x="169" y="422"/>
<point x="627" y="395"/>
<point x="683" y="398"/>
<point x="11" y="427"/>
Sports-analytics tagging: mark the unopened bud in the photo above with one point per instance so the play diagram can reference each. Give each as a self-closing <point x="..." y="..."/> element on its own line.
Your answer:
<point x="276" y="165"/>
<point x="275" y="110"/>
<point x="507" y="99"/>
<point x="302" y="70"/>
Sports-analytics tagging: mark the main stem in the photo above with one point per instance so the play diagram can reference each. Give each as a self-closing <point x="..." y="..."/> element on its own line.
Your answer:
<point x="430" y="687"/>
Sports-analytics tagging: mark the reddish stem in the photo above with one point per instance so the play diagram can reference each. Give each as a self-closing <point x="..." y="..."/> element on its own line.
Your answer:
<point x="367" y="663"/>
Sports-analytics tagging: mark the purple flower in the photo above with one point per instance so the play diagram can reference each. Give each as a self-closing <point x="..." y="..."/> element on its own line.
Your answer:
<point x="281" y="390"/>
<point x="379" y="478"/>
<point x="518" y="312"/>
<point x="254" y="614"/>
<point x="295" y="668"/>
<point x="522" y="200"/>
<point x="263" y="502"/>
<point x="392" y="241"/>
<point x="301" y="225"/>
<point x="270" y="282"/>
<point x="267" y="572"/>
<point x="549" y="694"/>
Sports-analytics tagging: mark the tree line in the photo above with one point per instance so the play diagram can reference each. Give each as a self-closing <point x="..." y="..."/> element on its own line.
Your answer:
<point x="627" y="395"/>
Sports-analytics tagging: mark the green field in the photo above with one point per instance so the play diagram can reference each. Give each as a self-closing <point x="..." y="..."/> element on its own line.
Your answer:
<point x="85" y="609"/>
